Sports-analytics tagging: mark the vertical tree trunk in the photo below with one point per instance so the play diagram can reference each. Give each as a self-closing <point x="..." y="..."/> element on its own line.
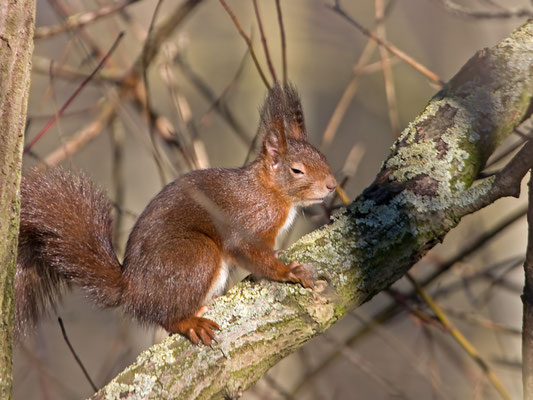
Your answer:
<point x="17" y="19"/>
<point x="527" y="299"/>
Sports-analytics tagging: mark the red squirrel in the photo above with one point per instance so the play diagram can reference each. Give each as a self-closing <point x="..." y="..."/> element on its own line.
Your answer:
<point x="180" y="251"/>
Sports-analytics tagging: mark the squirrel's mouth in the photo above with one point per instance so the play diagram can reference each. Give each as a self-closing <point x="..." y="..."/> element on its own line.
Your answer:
<point x="315" y="200"/>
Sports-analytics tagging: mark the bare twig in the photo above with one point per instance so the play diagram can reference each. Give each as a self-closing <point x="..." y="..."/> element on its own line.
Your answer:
<point x="81" y="19"/>
<point x="183" y="114"/>
<point x="117" y="146"/>
<point x="483" y="322"/>
<point x="347" y="96"/>
<point x="45" y="66"/>
<point x="283" y="43"/>
<point x="387" y="70"/>
<point x="217" y="101"/>
<point x="247" y="40"/>
<point x="145" y="62"/>
<point x="463" y="341"/>
<point x="73" y="96"/>
<point x="78" y="360"/>
<point x="372" y="372"/>
<point x="487" y="272"/>
<point x="264" y="42"/>
<point x="398" y="346"/>
<point x="511" y="12"/>
<point x="390" y="47"/>
<point x="84" y="136"/>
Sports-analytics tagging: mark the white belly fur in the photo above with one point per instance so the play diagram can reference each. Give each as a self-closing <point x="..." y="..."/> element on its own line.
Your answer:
<point x="291" y="216"/>
<point x="219" y="284"/>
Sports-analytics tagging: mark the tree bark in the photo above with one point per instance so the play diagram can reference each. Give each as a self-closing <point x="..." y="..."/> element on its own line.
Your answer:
<point x="422" y="191"/>
<point x="527" y="299"/>
<point x="17" y="19"/>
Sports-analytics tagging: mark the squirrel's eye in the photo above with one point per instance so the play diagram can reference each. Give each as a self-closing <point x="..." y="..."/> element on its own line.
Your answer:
<point x="297" y="171"/>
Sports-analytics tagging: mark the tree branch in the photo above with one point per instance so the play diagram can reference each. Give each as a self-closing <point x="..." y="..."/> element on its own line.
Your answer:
<point x="16" y="47"/>
<point x="422" y="191"/>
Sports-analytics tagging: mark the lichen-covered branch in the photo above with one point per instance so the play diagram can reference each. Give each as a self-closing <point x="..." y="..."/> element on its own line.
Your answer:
<point x="421" y="192"/>
<point x="16" y="47"/>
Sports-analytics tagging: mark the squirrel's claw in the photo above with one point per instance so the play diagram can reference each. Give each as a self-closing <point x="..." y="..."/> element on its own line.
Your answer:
<point x="197" y="329"/>
<point x="300" y="274"/>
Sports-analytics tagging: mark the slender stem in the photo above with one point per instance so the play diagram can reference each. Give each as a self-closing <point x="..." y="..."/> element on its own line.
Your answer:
<point x="80" y="19"/>
<point x="145" y="62"/>
<point x="283" y="42"/>
<point x="390" y="47"/>
<point x="78" y="360"/>
<point x="247" y="40"/>
<point x="264" y="42"/>
<point x="74" y="95"/>
<point x="461" y="339"/>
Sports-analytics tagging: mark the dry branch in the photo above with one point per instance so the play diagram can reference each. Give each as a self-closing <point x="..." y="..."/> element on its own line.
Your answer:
<point x="81" y="19"/>
<point x="422" y="192"/>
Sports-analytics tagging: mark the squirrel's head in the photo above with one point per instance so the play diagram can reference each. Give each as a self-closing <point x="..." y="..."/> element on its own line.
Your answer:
<point x="294" y="166"/>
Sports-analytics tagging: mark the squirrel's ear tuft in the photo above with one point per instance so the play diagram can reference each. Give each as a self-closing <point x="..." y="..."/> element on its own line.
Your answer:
<point x="294" y="114"/>
<point x="273" y="125"/>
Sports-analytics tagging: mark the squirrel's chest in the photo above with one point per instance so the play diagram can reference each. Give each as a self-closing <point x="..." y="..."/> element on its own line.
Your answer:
<point x="291" y="216"/>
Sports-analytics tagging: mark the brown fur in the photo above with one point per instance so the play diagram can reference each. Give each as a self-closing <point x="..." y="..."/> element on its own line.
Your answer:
<point x="176" y="250"/>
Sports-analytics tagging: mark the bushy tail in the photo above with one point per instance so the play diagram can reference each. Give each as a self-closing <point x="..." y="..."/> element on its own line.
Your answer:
<point x="65" y="237"/>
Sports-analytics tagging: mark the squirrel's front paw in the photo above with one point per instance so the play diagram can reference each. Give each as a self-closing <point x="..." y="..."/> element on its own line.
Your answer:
<point x="299" y="273"/>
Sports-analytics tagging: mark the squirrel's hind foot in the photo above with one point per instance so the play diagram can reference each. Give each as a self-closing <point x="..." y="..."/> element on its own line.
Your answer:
<point x="196" y="329"/>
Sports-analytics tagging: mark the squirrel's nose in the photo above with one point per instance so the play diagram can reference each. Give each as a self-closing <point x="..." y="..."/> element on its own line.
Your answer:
<point x="331" y="185"/>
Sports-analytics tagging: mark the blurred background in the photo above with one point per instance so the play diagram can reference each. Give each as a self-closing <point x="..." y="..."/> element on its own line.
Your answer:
<point x="204" y="93"/>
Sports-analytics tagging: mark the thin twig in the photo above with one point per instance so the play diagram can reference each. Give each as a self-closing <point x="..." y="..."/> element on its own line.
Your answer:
<point x="398" y="346"/>
<point x="217" y="102"/>
<point x="496" y="281"/>
<point x="84" y="136"/>
<point x="393" y="390"/>
<point x="44" y="65"/>
<point x="387" y="70"/>
<point x="459" y="337"/>
<point x="347" y="96"/>
<point x="264" y="42"/>
<point x="80" y="19"/>
<point x="483" y="322"/>
<point x="390" y="47"/>
<point x="184" y="123"/>
<point x="512" y="148"/>
<point x="145" y="61"/>
<point x="67" y="341"/>
<point x="117" y="146"/>
<point x="482" y="14"/>
<point x="74" y="95"/>
<point x="247" y="40"/>
<point x="283" y="43"/>
<point x="487" y="272"/>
